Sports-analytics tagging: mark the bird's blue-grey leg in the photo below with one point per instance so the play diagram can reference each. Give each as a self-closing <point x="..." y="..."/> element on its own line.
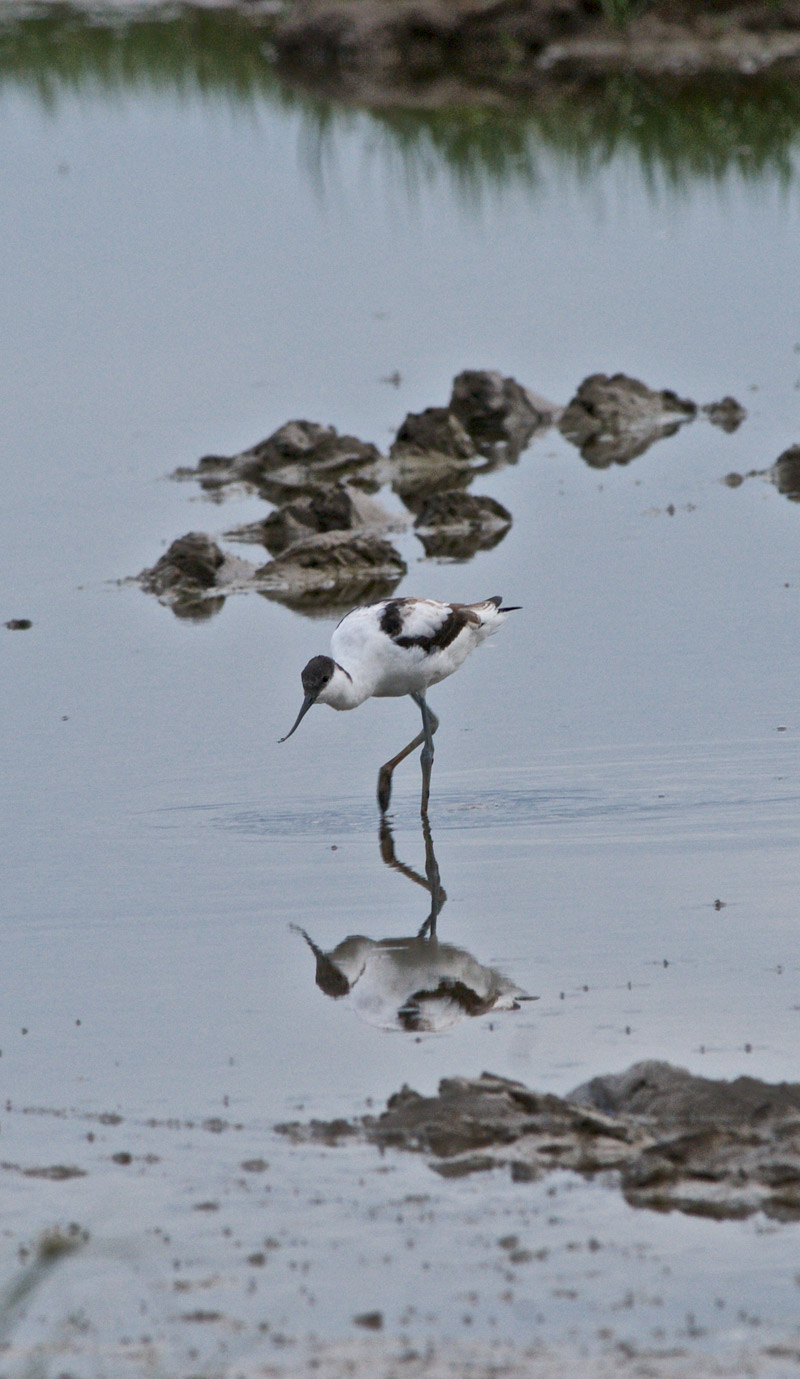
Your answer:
<point x="426" y="755"/>
<point x="385" y="773"/>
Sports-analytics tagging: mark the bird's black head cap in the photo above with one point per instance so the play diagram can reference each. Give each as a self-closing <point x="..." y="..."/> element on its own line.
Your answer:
<point x="315" y="677"/>
<point x="317" y="673"/>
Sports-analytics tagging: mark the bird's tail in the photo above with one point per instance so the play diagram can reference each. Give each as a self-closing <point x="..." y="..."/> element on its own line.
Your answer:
<point x="492" y="615"/>
<point x="497" y="600"/>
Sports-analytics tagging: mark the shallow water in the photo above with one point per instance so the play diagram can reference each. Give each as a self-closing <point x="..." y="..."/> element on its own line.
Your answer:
<point x="182" y="272"/>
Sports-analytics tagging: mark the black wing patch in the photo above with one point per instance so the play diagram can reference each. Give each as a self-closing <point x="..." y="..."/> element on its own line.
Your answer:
<point x="457" y="619"/>
<point x="392" y="618"/>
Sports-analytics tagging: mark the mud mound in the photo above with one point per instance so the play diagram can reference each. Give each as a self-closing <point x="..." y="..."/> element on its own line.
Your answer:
<point x="324" y="571"/>
<point x="436" y="432"/>
<point x="727" y="414"/>
<point x="333" y="563"/>
<point x="334" y="507"/>
<point x="500" y="415"/>
<point x="614" y="419"/>
<point x="454" y="524"/>
<point x="183" y="575"/>
<point x="300" y="455"/>
<point x="676" y="1141"/>
<point x="785" y="473"/>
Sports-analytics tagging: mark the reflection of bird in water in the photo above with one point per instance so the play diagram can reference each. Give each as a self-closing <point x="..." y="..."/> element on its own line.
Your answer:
<point x="415" y="984"/>
<point x="398" y="647"/>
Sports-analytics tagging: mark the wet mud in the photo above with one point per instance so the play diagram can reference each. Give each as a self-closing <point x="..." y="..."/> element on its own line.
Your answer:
<point x="294" y="460"/>
<point x="333" y="507"/>
<point x="784" y="474"/>
<point x="614" y="420"/>
<point x="329" y="536"/>
<point x="455" y="525"/>
<point x="331" y="564"/>
<point x="388" y="52"/>
<point x="675" y="1142"/>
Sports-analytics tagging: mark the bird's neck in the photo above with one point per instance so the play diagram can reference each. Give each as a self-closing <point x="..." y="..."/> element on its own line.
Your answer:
<point x="345" y="690"/>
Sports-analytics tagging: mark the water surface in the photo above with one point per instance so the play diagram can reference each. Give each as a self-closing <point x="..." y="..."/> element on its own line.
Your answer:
<point x="192" y="255"/>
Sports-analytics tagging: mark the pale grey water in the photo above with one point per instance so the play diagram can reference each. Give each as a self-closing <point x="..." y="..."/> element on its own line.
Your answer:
<point x="179" y="276"/>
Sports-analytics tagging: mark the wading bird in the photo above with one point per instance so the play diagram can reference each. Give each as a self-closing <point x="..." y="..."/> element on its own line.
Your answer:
<point x="398" y="647"/>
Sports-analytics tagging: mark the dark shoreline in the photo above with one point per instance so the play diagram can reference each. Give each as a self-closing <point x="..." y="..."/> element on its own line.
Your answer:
<point x="430" y="53"/>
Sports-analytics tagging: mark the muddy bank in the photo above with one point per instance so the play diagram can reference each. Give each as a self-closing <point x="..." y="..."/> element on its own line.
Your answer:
<point x="675" y="1142"/>
<point x="382" y="52"/>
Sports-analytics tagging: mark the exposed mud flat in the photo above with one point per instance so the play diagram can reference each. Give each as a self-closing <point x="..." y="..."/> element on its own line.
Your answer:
<point x="384" y="52"/>
<point x="677" y="1142"/>
<point x="386" y="1359"/>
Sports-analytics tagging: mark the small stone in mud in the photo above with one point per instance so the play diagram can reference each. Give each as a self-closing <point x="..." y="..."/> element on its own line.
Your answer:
<point x="457" y="524"/>
<point x="18" y="624"/>
<point x="371" y="1321"/>
<point x="727" y="413"/>
<point x="500" y="415"/>
<point x="614" y="419"/>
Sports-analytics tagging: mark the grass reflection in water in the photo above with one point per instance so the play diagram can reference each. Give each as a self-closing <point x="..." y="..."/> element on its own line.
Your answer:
<point x="678" y="129"/>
